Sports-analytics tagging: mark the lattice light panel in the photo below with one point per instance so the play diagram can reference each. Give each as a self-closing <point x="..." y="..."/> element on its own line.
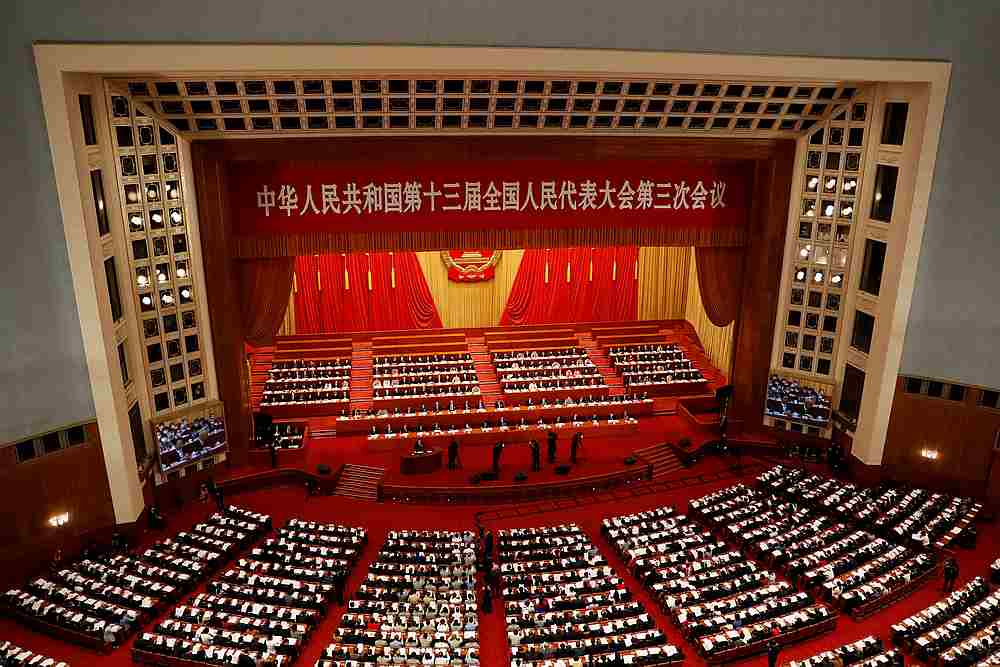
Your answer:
<point x="825" y="231"/>
<point x="160" y="268"/>
<point x="227" y="105"/>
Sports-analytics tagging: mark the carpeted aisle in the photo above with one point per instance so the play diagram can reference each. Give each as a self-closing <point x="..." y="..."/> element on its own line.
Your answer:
<point x="291" y="501"/>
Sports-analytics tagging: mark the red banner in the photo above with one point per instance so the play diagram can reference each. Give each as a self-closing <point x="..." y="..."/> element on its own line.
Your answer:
<point x="269" y="198"/>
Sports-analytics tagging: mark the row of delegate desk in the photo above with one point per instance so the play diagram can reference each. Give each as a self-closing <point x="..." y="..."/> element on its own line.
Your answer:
<point x="509" y="435"/>
<point x="459" y="418"/>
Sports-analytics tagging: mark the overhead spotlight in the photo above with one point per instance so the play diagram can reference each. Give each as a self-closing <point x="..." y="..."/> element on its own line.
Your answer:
<point x="136" y="220"/>
<point x="830" y="183"/>
<point x="167" y="299"/>
<point x="837" y="279"/>
<point x="132" y="195"/>
<point x="828" y="211"/>
<point x="818" y="277"/>
<point x="814" y="181"/>
<point x="850" y="185"/>
<point x="186" y="293"/>
<point x="172" y="193"/>
<point x="847" y="210"/>
<point x="161" y="276"/>
<point x="147" y="301"/>
<point x="175" y="215"/>
<point x="804" y="252"/>
<point x="142" y="280"/>
<point x="156" y="217"/>
<point x="800" y="275"/>
<point x="151" y="193"/>
<point x="811" y="213"/>
<point x="181" y="272"/>
<point x="878" y="196"/>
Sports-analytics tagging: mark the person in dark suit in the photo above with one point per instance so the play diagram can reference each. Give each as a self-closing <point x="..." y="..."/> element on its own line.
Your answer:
<point x="274" y="453"/>
<point x="575" y="445"/>
<point x="552" y="446"/>
<point x="453" y="454"/>
<point x="772" y="653"/>
<point x="536" y="455"/>
<point x="950" y="574"/>
<point x="497" y="453"/>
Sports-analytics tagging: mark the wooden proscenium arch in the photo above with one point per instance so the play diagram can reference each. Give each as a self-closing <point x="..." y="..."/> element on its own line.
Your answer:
<point x="764" y="238"/>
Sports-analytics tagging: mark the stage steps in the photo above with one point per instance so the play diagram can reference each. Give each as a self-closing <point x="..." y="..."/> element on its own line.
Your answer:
<point x="358" y="481"/>
<point x="603" y="363"/>
<point x="361" y="375"/>
<point x="663" y="459"/>
<point x="259" y="372"/>
<point x="489" y="385"/>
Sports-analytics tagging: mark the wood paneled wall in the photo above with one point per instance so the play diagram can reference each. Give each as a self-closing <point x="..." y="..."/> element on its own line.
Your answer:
<point x="961" y="431"/>
<point x="717" y="341"/>
<point x="663" y="282"/>
<point x="470" y="305"/>
<point x="70" y="480"/>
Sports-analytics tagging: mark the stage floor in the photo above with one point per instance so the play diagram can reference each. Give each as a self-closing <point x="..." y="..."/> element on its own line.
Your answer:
<point x="598" y="455"/>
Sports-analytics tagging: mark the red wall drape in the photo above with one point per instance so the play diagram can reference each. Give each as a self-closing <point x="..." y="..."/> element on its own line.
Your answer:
<point x="612" y="294"/>
<point x="325" y="301"/>
<point x="264" y="288"/>
<point x="720" y="280"/>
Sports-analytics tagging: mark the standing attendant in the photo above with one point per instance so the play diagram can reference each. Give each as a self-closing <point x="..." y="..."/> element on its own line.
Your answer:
<point x="950" y="574"/>
<point x="274" y="453"/>
<point x="488" y="600"/>
<point x="536" y="456"/>
<point x="552" y="446"/>
<point x="453" y="454"/>
<point x="772" y="653"/>
<point x="497" y="453"/>
<point x="576" y="444"/>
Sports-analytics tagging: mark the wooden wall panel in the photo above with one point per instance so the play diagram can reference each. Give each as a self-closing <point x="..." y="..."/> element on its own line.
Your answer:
<point x="663" y="282"/>
<point x="70" y="480"/>
<point x="961" y="431"/>
<point x="717" y="341"/>
<point x="470" y="305"/>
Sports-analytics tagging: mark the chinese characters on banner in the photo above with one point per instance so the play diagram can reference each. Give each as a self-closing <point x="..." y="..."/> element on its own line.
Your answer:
<point x="469" y="196"/>
<point x="343" y="196"/>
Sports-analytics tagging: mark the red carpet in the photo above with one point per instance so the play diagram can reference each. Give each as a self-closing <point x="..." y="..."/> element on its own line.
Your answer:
<point x="286" y="502"/>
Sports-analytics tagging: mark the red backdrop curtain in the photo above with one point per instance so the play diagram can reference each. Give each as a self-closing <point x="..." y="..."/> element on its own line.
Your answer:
<point x="264" y="288"/>
<point x="362" y="292"/>
<point x="720" y="280"/>
<point x="602" y="286"/>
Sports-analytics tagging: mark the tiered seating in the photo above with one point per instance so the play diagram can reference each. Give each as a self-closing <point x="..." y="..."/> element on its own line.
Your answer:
<point x="265" y="606"/>
<point x="308" y="382"/>
<point x="867" y="652"/>
<point x="443" y="376"/>
<point x="418" y="603"/>
<point x="540" y="370"/>
<point x="647" y="366"/>
<point x="561" y="599"/>
<point x="914" y="517"/>
<point x="100" y="603"/>
<point x="948" y="622"/>
<point x="709" y="588"/>
<point x="12" y="655"/>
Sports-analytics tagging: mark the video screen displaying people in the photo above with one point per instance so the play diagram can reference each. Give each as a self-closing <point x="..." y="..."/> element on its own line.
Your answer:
<point x="185" y="440"/>
<point x="788" y="399"/>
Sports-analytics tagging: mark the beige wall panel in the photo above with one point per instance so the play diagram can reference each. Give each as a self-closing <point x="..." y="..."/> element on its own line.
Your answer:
<point x="663" y="282"/>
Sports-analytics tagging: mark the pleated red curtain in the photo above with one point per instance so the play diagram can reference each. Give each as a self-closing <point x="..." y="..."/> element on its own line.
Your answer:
<point x="720" y="278"/>
<point x="362" y="292"/>
<point x="264" y="288"/>
<point x="561" y="285"/>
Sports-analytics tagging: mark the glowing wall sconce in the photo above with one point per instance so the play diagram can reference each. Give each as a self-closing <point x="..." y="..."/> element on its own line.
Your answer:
<point x="930" y="454"/>
<point x="59" y="520"/>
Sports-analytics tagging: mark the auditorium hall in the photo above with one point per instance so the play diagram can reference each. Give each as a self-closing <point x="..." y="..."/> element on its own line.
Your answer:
<point x="564" y="334"/>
